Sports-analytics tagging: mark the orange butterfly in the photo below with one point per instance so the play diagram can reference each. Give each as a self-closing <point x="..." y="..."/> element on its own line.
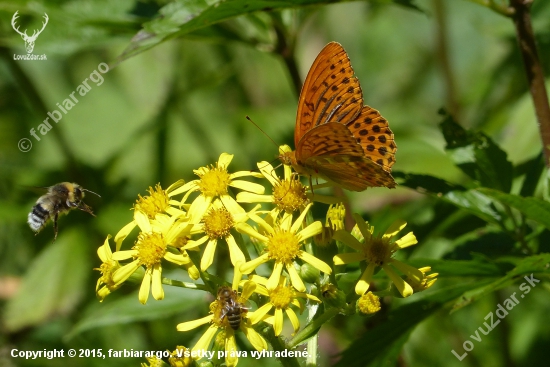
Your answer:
<point x="336" y="137"/>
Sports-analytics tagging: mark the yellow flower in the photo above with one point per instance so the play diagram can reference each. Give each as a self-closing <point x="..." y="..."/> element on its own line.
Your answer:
<point x="280" y="298"/>
<point x="214" y="182"/>
<point x="378" y="252"/>
<point x="220" y="326"/>
<point x="153" y="362"/>
<point x="289" y="194"/>
<point x="178" y="358"/>
<point x="149" y="250"/>
<point x="216" y="224"/>
<point x="157" y="202"/>
<point x="334" y="222"/>
<point x="426" y="282"/>
<point x="105" y="284"/>
<point x="368" y="303"/>
<point x="283" y="245"/>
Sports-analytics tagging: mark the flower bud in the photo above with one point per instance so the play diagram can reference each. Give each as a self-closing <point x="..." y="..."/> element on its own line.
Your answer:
<point x="309" y="273"/>
<point x="332" y="296"/>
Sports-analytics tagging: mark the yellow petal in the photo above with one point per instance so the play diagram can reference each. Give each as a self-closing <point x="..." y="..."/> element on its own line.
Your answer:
<point x="295" y="278"/>
<point x="411" y="272"/>
<point x="104" y="252"/>
<point x="248" y="289"/>
<point x="145" y="287"/>
<point x="394" y="228"/>
<point x="158" y="291"/>
<point x="257" y="341"/>
<point x="313" y="229"/>
<point x="257" y="315"/>
<point x="231" y="358"/>
<point x="124" y="255"/>
<point x="174" y="186"/>
<point x="298" y="223"/>
<point x="407" y="240"/>
<point x="199" y="206"/>
<point x="268" y="172"/>
<point x="184" y="188"/>
<point x="363" y="283"/>
<point x="190" y="325"/>
<point x="193" y="244"/>
<point x="142" y="221"/>
<point x="231" y="205"/>
<point x="248" y="197"/>
<point x="278" y="326"/>
<point x="177" y="259"/>
<point x="123" y="233"/>
<point x="205" y="339"/>
<point x="247" y="186"/>
<point x="313" y="261"/>
<point x="273" y="280"/>
<point x="121" y="274"/>
<point x="293" y="319"/>
<point x="208" y="255"/>
<point x="249" y="266"/>
<point x="403" y="287"/>
<point x="248" y="230"/>
<point x="224" y="160"/>
<point x="363" y="226"/>
<point x="347" y="239"/>
<point x="347" y="258"/>
<point x="235" y="252"/>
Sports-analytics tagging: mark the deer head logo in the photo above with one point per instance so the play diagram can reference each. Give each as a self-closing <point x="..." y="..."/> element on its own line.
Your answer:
<point x="29" y="40"/>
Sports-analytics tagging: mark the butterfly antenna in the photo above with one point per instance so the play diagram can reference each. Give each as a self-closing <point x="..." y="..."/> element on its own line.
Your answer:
<point x="91" y="192"/>
<point x="259" y="128"/>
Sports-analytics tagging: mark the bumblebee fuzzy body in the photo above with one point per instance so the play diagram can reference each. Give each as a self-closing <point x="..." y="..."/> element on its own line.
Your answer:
<point x="231" y="307"/>
<point x="60" y="199"/>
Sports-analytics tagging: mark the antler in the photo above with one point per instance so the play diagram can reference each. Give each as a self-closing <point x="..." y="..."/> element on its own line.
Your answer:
<point x="13" y="19"/>
<point x="34" y="34"/>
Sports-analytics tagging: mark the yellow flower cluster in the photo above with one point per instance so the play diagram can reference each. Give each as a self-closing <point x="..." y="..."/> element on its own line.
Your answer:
<point x="175" y="230"/>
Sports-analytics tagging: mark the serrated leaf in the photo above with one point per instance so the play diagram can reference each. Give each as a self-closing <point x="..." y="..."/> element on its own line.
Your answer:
<point x="533" y="171"/>
<point x="54" y="283"/>
<point x="478" y="156"/>
<point x="426" y="183"/>
<point x="527" y="266"/>
<point x="128" y="309"/>
<point x="533" y="208"/>
<point x="380" y="340"/>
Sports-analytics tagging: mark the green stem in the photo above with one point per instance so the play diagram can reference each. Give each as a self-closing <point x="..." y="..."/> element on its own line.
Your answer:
<point x="177" y="283"/>
<point x="313" y="326"/>
<point x="279" y="345"/>
<point x="499" y="8"/>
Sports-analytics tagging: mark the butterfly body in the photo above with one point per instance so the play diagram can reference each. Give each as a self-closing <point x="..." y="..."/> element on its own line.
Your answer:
<point x="336" y="137"/>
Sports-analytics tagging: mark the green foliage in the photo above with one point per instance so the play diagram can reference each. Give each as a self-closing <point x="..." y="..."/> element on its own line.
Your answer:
<point x="183" y="76"/>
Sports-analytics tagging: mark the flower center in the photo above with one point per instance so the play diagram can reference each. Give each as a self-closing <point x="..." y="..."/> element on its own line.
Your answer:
<point x="283" y="246"/>
<point x="107" y="269"/>
<point x="214" y="181"/>
<point x="217" y="223"/>
<point x="379" y="251"/>
<point x="368" y="303"/>
<point x="151" y="248"/>
<point x="289" y="195"/>
<point x="156" y="202"/>
<point x="280" y="297"/>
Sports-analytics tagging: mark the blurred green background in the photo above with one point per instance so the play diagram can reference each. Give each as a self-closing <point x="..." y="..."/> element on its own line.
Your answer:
<point x="173" y="108"/>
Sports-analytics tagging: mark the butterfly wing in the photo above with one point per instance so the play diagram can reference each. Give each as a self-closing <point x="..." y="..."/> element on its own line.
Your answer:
<point x="373" y="133"/>
<point x="330" y="151"/>
<point x="330" y="92"/>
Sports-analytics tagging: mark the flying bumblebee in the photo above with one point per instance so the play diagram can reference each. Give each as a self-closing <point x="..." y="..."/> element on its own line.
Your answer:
<point x="60" y="199"/>
<point x="231" y="307"/>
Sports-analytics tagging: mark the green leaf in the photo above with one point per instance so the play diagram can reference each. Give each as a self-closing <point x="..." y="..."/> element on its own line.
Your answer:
<point x="384" y="338"/>
<point x="479" y="267"/>
<point x="533" y="208"/>
<point x="527" y="266"/>
<point x="478" y="156"/>
<point x="54" y="283"/>
<point x="533" y="171"/>
<point x="474" y="202"/>
<point x="426" y="183"/>
<point x="128" y="309"/>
